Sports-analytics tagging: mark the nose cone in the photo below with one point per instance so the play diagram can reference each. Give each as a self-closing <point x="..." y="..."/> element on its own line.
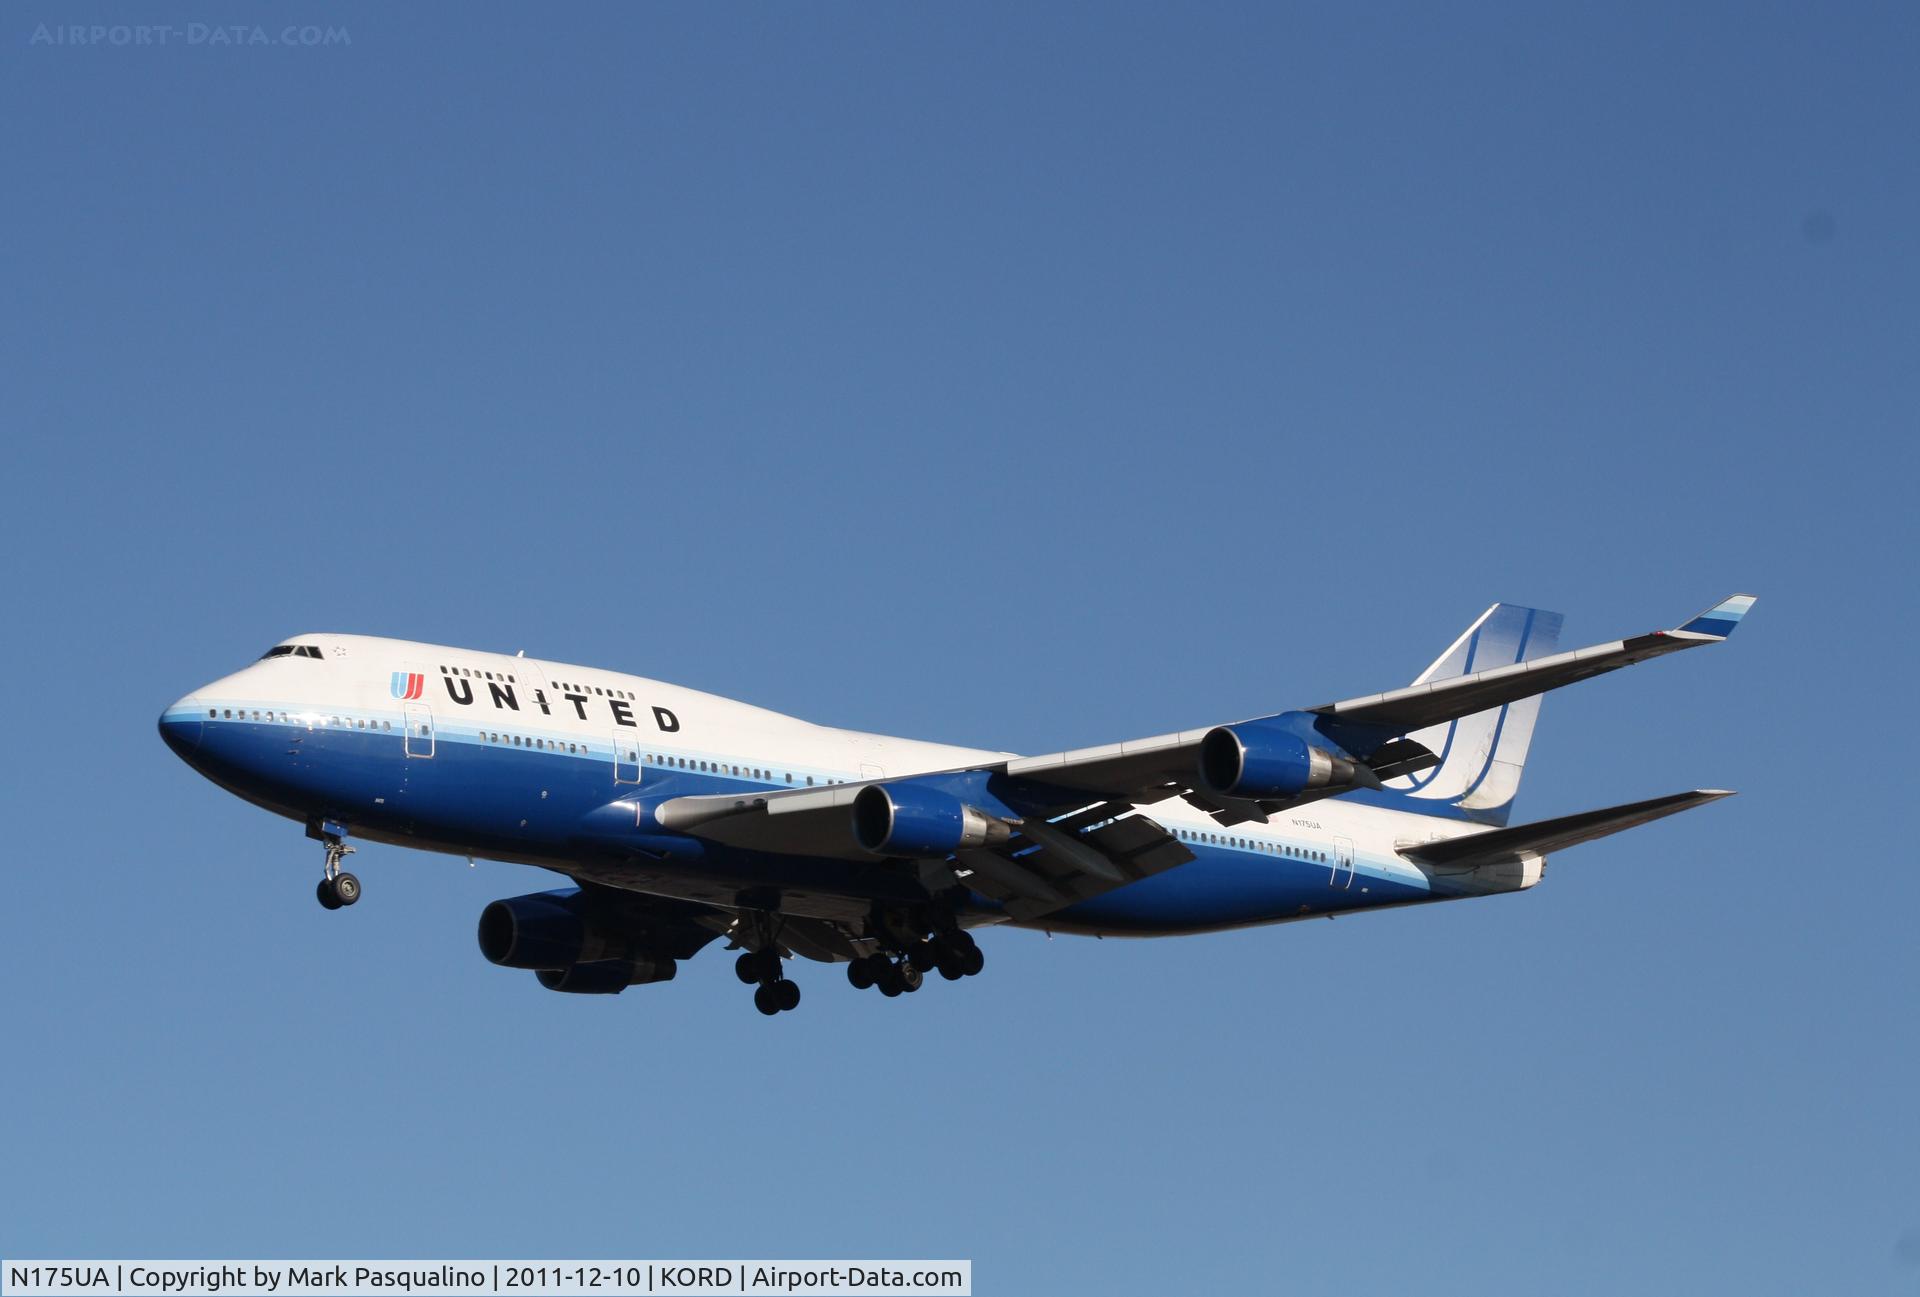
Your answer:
<point x="180" y="727"/>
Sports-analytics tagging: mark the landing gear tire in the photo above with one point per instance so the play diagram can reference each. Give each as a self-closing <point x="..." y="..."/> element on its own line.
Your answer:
<point x="923" y="955"/>
<point x="337" y="886"/>
<point x="954" y="942"/>
<point x="958" y="955"/>
<point x="860" y="974"/>
<point x="776" y="997"/>
<point x="911" y="979"/>
<point x="887" y="978"/>
<point x="757" y="966"/>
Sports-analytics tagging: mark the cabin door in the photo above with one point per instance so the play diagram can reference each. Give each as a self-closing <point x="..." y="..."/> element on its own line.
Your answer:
<point x="1342" y="876"/>
<point x="626" y="757"/>
<point x="419" y="730"/>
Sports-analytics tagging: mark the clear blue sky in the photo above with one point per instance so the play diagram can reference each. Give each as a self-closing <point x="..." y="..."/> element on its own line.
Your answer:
<point x="1018" y="376"/>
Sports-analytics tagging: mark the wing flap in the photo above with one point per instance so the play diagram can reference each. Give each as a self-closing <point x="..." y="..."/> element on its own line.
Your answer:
<point x="1050" y="866"/>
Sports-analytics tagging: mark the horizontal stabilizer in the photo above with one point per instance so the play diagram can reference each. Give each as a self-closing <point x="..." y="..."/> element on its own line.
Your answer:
<point x="1546" y="836"/>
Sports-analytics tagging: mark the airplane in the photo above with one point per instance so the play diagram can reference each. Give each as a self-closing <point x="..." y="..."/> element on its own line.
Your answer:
<point x="682" y="818"/>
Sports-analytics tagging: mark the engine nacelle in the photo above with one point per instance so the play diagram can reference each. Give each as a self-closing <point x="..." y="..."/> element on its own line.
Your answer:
<point x="1258" y="761"/>
<point x="537" y="931"/>
<point x="915" y="820"/>
<point x="606" y="976"/>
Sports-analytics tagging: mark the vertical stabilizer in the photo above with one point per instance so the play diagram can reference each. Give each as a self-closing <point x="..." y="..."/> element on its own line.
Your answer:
<point x="1482" y="755"/>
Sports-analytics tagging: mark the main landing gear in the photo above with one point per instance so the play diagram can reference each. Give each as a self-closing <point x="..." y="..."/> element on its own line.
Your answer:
<point x="953" y="954"/>
<point x="337" y="886"/>
<point x="775" y="993"/>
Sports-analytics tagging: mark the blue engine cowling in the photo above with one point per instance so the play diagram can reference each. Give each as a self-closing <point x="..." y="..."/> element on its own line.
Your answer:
<point x="1264" y="761"/>
<point x="538" y="931"/>
<point x="606" y="976"/>
<point x="915" y="820"/>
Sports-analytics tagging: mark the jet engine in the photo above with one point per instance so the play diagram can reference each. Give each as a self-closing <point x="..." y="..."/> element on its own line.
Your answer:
<point x="574" y="946"/>
<point x="538" y="931"/>
<point x="1263" y="761"/>
<point x="910" y="819"/>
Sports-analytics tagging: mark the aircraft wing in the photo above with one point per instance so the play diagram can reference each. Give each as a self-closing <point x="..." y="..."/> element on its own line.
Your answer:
<point x="1051" y="859"/>
<point x="1151" y="769"/>
<point x="1419" y="706"/>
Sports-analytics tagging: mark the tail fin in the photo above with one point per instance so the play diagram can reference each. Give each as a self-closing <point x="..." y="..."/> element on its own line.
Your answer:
<point x="1482" y="755"/>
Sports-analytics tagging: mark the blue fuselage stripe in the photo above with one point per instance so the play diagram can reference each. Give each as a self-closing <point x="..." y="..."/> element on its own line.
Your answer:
<point x="479" y="797"/>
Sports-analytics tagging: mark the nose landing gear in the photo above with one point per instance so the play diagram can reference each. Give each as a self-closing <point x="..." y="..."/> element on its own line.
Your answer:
<point x="337" y="886"/>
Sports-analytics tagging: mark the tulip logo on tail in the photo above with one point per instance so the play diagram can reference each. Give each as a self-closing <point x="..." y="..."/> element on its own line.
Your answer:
<point x="408" y="684"/>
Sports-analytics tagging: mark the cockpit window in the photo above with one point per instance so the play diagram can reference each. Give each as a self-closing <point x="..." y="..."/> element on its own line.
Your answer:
<point x="291" y="650"/>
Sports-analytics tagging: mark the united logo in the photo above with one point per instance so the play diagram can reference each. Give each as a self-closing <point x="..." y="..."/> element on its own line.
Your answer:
<point x="408" y="684"/>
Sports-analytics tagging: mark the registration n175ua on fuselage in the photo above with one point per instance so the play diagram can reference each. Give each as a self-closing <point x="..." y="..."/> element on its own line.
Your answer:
<point x="683" y="818"/>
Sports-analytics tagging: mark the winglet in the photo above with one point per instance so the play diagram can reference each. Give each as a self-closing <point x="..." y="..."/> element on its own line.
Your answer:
<point x="1720" y="620"/>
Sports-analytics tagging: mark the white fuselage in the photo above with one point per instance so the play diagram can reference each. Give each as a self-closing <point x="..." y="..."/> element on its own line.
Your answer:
<point x="489" y="755"/>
